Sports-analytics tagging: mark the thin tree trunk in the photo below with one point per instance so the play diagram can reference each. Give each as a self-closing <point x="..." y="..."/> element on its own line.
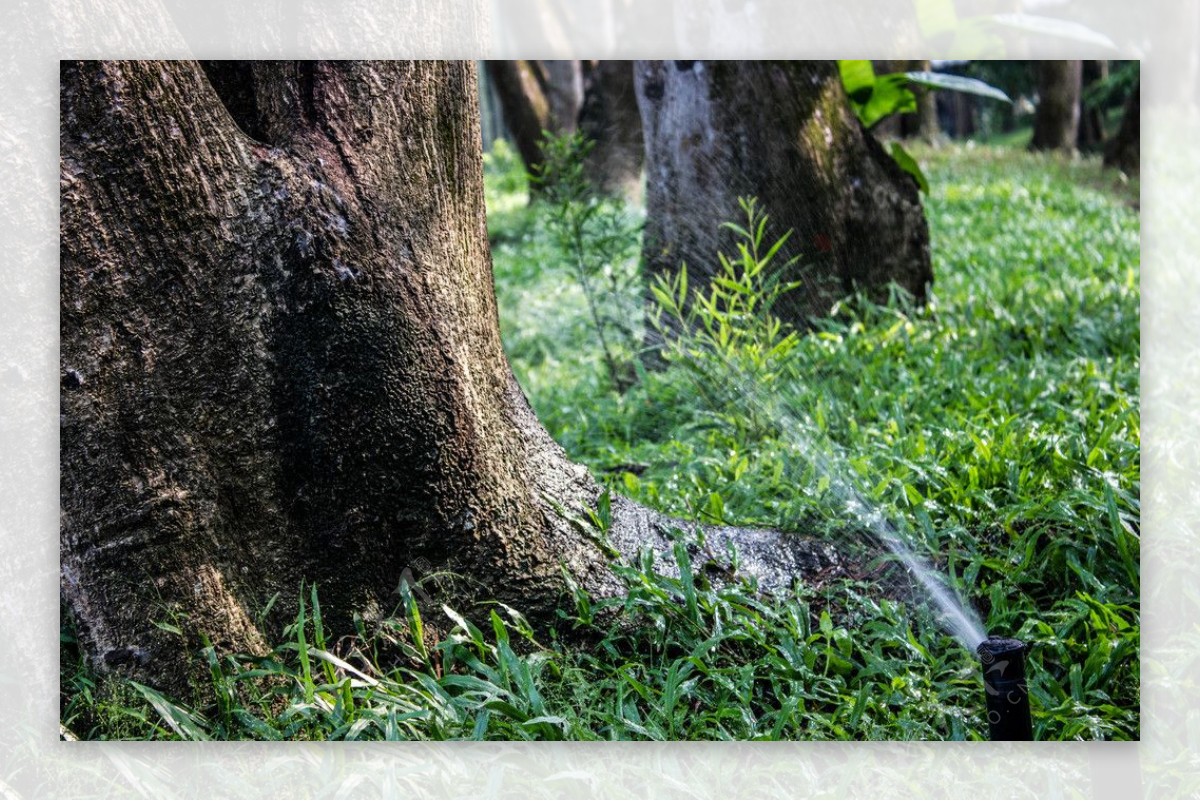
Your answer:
<point x="783" y="132"/>
<point x="563" y="85"/>
<point x="490" y="117"/>
<point x="1056" y="121"/>
<point x="963" y="109"/>
<point x="281" y="363"/>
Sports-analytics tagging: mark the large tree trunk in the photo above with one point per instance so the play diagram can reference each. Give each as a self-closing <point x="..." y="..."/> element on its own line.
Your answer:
<point x="1124" y="150"/>
<point x="1056" y="121"/>
<point x="281" y="362"/>
<point x="784" y="133"/>
<point x="610" y="119"/>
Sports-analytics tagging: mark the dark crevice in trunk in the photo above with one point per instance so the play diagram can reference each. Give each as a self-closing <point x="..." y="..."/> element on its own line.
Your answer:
<point x="233" y="81"/>
<point x="307" y="84"/>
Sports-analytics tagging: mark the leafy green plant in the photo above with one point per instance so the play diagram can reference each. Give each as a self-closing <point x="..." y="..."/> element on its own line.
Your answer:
<point x="877" y="97"/>
<point x="725" y="333"/>
<point x="506" y="173"/>
<point x="594" y="235"/>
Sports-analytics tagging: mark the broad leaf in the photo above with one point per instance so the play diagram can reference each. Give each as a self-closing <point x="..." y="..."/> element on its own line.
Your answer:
<point x="910" y="166"/>
<point x="859" y="79"/>
<point x="957" y="83"/>
<point x="891" y="95"/>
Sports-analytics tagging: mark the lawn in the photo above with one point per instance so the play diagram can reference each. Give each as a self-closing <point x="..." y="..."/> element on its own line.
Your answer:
<point x="996" y="428"/>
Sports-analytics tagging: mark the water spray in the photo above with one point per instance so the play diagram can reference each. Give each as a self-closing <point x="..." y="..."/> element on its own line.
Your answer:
<point x="1003" y="659"/>
<point x="1007" y="693"/>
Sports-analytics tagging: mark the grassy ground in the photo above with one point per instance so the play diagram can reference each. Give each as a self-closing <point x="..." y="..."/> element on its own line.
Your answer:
<point x="998" y="426"/>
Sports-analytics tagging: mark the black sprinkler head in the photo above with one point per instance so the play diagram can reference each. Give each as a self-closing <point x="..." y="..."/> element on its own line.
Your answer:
<point x="1008" y="715"/>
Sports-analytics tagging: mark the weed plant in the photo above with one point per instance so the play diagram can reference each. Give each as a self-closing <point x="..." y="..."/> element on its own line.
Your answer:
<point x="597" y="237"/>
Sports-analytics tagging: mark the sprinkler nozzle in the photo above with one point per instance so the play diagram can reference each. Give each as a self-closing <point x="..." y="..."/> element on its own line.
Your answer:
<point x="1008" y="715"/>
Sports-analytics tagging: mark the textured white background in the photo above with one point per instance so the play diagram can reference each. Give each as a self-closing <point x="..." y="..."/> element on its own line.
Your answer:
<point x="35" y="35"/>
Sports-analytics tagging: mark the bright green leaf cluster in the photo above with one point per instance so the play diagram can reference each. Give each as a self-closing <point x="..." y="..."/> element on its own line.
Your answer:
<point x="877" y="97"/>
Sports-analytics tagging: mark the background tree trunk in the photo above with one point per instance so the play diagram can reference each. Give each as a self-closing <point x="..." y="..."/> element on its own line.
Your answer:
<point x="1124" y="150"/>
<point x="609" y="117"/>
<point x="563" y="84"/>
<point x="783" y="132"/>
<point x="1056" y="121"/>
<point x="535" y="97"/>
<point x="281" y="363"/>
<point x="523" y="105"/>
<point x="925" y="122"/>
<point x="961" y="113"/>
<point x="1091" y="135"/>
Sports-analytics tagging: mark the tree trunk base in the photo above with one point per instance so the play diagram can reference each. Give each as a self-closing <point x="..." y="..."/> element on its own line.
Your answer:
<point x="281" y="366"/>
<point x="774" y="559"/>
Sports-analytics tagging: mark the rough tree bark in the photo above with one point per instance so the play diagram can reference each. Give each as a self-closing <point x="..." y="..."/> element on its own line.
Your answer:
<point x="280" y="361"/>
<point x="537" y="96"/>
<point x="609" y="117"/>
<point x="784" y="133"/>
<point x="1056" y="120"/>
<point x="1123" y="151"/>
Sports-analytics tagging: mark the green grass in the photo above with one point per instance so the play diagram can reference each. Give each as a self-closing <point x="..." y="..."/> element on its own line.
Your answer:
<point x="1019" y="137"/>
<point x="998" y="426"/>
